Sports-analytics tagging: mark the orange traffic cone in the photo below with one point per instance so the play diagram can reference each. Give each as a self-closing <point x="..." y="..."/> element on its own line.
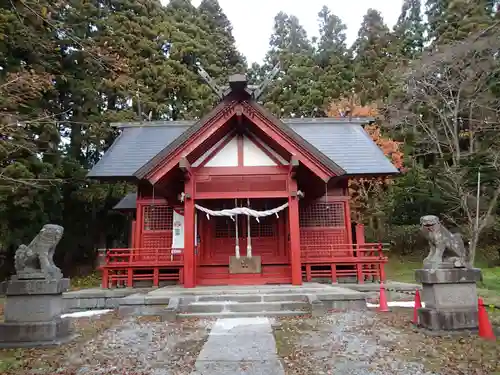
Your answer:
<point x="418" y="304"/>
<point x="485" y="329"/>
<point x="383" y="307"/>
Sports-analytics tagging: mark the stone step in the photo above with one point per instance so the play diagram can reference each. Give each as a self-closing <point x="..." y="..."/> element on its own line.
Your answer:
<point x="242" y="314"/>
<point x="241" y="298"/>
<point x="222" y="306"/>
<point x="208" y="291"/>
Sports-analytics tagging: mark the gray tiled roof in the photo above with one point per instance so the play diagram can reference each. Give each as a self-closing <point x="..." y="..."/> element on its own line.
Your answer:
<point x="128" y="202"/>
<point x="344" y="142"/>
<point x="133" y="148"/>
<point x="347" y="144"/>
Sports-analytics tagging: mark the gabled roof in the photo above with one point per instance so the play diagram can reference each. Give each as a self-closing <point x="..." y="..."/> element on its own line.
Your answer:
<point x="345" y="142"/>
<point x="283" y="126"/>
<point x="134" y="147"/>
<point x="128" y="202"/>
<point x="339" y="142"/>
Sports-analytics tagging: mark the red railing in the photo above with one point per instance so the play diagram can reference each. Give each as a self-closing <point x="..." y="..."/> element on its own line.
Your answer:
<point x="363" y="261"/>
<point x="335" y="252"/>
<point x="126" y="266"/>
<point x="143" y="256"/>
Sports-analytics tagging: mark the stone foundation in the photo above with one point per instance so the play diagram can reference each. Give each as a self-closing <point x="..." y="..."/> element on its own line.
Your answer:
<point x="32" y="314"/>
<point x="450" y="298"/>
<point x="18" y="335"/>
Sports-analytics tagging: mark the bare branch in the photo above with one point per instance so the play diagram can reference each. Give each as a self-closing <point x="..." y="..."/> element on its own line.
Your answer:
<point x="449" y="96"/>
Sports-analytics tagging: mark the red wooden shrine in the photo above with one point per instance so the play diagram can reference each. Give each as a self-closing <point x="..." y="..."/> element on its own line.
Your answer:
<point x="238" y="156"/>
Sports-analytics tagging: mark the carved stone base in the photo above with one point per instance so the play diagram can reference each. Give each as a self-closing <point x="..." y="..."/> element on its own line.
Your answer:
<point x="450" y="298"/>
<point x="32" y="313"/>
<point x="21" y="287"/>
<point x="26" y="335"/>
<point x="455" y="320"/>
<point x="245" y="265"/>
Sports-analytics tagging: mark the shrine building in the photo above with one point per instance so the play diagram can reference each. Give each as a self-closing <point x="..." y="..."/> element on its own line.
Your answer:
<point x="242" y="197"/>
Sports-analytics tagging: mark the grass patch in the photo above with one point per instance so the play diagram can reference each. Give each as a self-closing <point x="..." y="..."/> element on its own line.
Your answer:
<point x="491" y="279"/>
<point x="403" y="269"/>
<point x="86" y="282"/>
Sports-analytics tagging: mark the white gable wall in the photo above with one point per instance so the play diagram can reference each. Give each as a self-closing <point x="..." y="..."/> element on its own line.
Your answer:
<point x="253" y="156"/>
<point x="202" y="158"/>
<point x="270" y="151"/>
<point x="227" y="156"/>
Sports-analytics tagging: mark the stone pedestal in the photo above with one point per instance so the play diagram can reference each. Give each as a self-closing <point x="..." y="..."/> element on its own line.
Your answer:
<point x="450" y="298"/>
<point x="32" y="313"/>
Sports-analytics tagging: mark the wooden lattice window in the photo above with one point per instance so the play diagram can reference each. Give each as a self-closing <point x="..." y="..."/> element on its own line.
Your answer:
<point x="266" y="227"/>
<point x="225" y="227"/>
<point x="322" y="214"/>
<point x="158" y="217"/>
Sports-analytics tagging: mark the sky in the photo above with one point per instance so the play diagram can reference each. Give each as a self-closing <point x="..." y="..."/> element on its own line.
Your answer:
<point x="253" y="20"/>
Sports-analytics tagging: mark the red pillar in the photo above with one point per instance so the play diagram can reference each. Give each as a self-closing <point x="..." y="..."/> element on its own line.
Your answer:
<point x="189" y="258"/>
<point x="293" y="213"/>
<point x="360" y="234"/>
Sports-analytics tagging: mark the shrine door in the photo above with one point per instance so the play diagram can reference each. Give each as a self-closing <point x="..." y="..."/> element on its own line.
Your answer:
<point x="268" y="236"/>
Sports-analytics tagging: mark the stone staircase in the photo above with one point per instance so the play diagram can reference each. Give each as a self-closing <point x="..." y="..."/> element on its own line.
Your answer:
<point x="241" y="305"/>
<point x="233" y="302"/>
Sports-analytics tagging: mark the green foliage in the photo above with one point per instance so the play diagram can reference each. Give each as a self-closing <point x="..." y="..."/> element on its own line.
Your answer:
<point x="85" y="282"/>
<point x="414" y="195"/>
<point x="407" y="240"/>
<point x="371" y="58"/>
<point x="408" y="35"/>
<point x="491" y="279"/>
<point x="452" y="20"/>
<point x="69" y="68"/>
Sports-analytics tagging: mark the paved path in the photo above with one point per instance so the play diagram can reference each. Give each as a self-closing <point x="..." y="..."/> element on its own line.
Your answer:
<point x="240" y="346"/>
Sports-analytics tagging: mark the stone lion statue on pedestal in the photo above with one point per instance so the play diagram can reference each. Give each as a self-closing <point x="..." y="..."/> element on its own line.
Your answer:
<point x="35" y="261"/>
<point x="447" y="250"/>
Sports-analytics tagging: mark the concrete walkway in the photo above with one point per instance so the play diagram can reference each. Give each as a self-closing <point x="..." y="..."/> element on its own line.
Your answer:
<point x="239" y="346"/>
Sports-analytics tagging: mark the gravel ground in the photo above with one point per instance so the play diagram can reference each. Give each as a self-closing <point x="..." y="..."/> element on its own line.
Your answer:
<point x="111" y="345"/>
<point x="350" y="343"/>
<point x="141" y="346"/>
<point x="368" y="343"/>
<point x="341" y="343"/>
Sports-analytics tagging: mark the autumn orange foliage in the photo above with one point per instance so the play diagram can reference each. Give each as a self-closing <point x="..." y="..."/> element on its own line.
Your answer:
<point x="351" y="107"/>
<point x="365" y="193"/>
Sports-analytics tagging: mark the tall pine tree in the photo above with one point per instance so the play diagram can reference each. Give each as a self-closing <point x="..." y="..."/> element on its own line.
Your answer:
<point x="220" y="33"/>
<point x="453" y="20"/>
<point x="333" y="56"/>
<point x="296" y="90"/>
<point x="371" y="58"/>
<point x="408" y="35"/>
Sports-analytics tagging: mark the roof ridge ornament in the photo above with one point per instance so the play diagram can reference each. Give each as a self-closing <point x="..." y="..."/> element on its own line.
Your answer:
<point x="191" y="61"/>
<point x="237" y="82"/>
<point x="257" y="93"/>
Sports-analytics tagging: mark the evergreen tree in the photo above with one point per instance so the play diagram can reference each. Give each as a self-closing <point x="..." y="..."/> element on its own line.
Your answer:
<point x="371" y="58"/>
<point x="71" y="67"/>
<point x="288" y="36"/>
<point x="220" y="32"/>
<point x="452" y="20"/>
<point x="333" y="56"/>
<point x="434" y="9"/>
<point x="204" y="34"/>
<point x="408" y="36"/>
<point x="296" y="90"/>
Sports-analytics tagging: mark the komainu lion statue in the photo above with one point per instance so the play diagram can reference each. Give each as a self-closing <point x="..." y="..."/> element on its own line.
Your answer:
<point x="36" y="259"/>
<point x="447" y="249"/>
